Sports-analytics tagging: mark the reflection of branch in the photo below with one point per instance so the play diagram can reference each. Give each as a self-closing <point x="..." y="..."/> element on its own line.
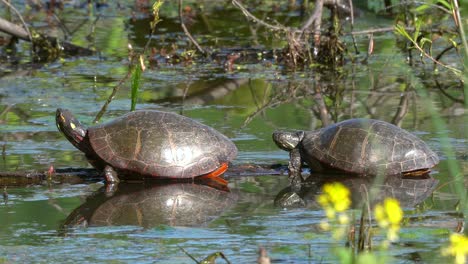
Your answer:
<point x="315" y="18"/>
<point x="321" y="107"/>
<point x="209" y="94"/>
<point x="187" y="33"/>
<point x="402" y="110"/>
<point x="274" y="101"/>
<point x="259" y="21"/>
<point x="450" y="97"/>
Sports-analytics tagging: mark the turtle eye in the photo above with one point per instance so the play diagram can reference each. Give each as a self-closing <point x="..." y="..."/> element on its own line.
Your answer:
<point x="72" y="125"/>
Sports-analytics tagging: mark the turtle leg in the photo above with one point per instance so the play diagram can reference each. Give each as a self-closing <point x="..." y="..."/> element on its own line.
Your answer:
<point x="111" y="175"/>
<point x="216" y="175"/>
<point x="112" y="180"/>
<point x="295" y="169"/>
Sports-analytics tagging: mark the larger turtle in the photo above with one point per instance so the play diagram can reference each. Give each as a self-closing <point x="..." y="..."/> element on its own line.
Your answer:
<point x="358" y="146"/>
<point x="150" y="143"/>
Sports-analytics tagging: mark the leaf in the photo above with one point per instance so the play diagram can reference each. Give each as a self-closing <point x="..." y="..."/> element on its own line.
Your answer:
<point x="445" y="4"/>
<point x="417" y="29"/>
<point x="402" y="31"/>
<point x="136" y="77"/>
<point x="423" y="41"/>
<point x="156" y="7"/>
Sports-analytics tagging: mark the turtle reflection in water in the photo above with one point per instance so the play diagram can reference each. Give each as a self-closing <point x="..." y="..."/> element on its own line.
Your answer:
<point x="408" y="191"/>
<point x="357" y="146"/>
<point x="150" y="144"/>
<point x="177" y="204"/>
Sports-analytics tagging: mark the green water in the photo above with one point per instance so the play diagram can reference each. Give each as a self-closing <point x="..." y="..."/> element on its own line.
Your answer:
<point x="264" y="98"/>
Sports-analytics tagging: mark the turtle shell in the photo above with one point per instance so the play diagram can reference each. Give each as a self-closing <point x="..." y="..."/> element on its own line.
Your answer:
<point x="367" y="146"/>
<point x="160" y="144"/>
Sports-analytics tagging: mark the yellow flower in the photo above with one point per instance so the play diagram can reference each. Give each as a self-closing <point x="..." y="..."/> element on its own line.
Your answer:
<point x="389" y="215"/>
<point x="458" y="247"/>
<point x="395" y="214"/>
<point x="336" y="196"/>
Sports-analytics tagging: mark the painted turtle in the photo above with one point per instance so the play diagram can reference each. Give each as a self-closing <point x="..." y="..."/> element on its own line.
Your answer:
<point x="150" y="144"/>
<point x="358" y="146"/>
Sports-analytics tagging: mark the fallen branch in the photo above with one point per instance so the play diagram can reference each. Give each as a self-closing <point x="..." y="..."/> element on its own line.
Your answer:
<point x="21" y="33"/>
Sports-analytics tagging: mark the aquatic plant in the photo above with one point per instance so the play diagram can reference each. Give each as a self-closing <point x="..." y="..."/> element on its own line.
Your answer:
<point x="335" y="200"/>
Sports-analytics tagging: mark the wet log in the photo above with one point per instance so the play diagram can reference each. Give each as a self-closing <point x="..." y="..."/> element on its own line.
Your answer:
<point x="82" y="175"/>
<point x="68" y="175"/>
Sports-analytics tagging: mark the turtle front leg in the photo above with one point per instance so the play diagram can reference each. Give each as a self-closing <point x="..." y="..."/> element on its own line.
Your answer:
<point x="295" y="169"/>
<point x="111" y="175"/>
<point x="112" y="180"/>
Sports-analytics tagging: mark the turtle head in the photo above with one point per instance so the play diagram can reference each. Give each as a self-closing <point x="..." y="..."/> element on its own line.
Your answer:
<point x="73" y="130"/>
<point x="287" y="140"/>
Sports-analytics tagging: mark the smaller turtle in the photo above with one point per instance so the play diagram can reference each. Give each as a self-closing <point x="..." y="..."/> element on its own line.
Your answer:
<point x="151" y="144"/>
<point x="358" y="146"/>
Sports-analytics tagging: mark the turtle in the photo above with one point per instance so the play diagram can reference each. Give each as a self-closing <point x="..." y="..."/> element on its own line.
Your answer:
<point x="358" y="146"/>
<point x="150" y="144"/>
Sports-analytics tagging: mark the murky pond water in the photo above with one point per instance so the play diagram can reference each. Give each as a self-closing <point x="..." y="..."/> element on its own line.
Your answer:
<point x="246" y="104"/>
